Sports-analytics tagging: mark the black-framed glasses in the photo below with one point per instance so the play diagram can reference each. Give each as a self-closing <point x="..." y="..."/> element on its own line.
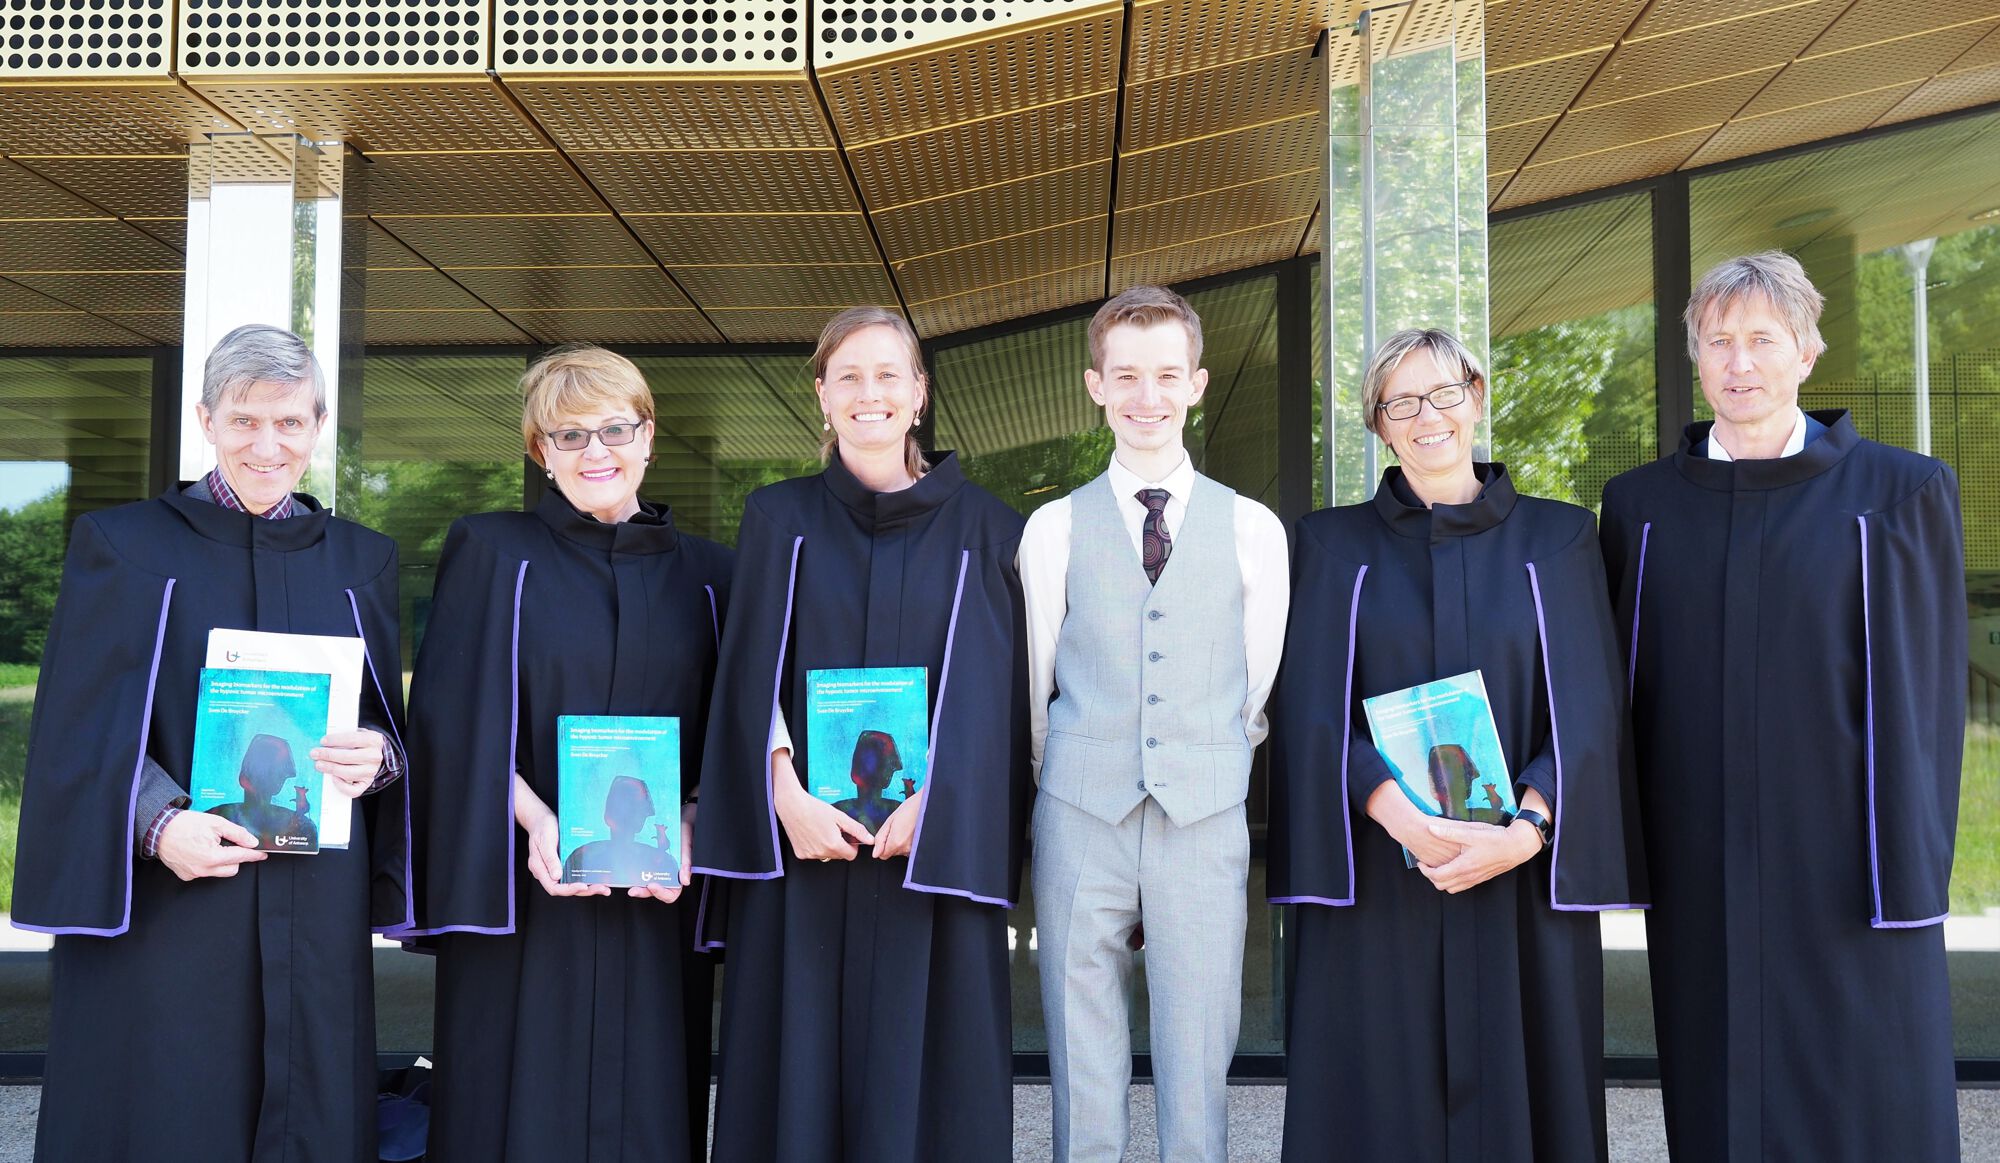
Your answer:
<point x="611" y="436"/>
<point x="1441" y="397"/>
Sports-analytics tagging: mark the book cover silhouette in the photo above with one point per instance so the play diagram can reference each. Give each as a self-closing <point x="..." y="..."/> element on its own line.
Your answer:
<point x="1442" y="748"/>
<point x="867" y="738"/>
<point x="253" y="736"/>
<point x="618" y="806"/>
<point x="342" y="658"/>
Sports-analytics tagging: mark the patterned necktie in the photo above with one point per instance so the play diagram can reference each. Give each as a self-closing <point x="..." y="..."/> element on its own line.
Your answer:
<point x="1155" y="544"/>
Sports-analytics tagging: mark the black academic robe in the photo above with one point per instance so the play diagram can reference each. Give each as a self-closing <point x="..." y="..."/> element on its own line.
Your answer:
<point x="223" y="1018"/>
<point x="1423" y="1026"/>
<point x="567" y="1028"/>
<point x="1797" y="638"/>
<point x="866" y="1005"/>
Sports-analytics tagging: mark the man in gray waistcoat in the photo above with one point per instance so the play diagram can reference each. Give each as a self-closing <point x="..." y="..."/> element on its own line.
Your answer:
<point x="1156" y="613"/>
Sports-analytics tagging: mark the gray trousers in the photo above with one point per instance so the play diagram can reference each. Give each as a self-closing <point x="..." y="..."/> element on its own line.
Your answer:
<point x="1094" y="883"/>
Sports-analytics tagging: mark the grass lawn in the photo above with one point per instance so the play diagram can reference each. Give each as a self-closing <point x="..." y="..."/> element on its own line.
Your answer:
<point x="13" y="674"/>
<point x="13" y="759"/>
<point x="1975" y="879"/>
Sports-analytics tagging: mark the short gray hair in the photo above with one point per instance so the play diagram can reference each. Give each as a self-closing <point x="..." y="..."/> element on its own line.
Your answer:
<point x="1443" y="346"/>
<point x="259" y="353"/>
<point x="1771" y="275"/>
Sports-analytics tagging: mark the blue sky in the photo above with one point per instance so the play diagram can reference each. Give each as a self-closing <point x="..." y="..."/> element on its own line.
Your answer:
<point x="22" y="481"/>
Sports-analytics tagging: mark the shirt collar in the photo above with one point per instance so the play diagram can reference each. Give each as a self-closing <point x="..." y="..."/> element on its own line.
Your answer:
<point x="220" y="492"/>
<point x="1178" y="482"/>
<point x="1794" y="444"/>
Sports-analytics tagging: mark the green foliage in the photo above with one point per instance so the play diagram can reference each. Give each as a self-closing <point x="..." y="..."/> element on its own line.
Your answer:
<point x="1975" y="876"/>
<point x="1032" y="476"/>
<point x="13" y="762"/>
<point x="14" y="675"/>
<point x="415" y="501"/>
<point x="31" y="559"/>
<point x="1573" y="403"/>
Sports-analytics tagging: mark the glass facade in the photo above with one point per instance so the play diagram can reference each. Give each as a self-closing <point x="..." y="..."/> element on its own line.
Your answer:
<point x="1579" y="393"/>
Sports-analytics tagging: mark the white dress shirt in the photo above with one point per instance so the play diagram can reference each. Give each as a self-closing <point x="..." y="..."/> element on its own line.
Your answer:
<point x="1794" y="444"/>
<point x="1262" y="555"/>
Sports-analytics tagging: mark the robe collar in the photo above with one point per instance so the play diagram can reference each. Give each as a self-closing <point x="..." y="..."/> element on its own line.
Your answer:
<point x="1403" y="513"/>
<point x="882" y="510"/>
<point x="650" y="530"/>
<point x="305" y="528"/>
<point x="1750" y="475"/>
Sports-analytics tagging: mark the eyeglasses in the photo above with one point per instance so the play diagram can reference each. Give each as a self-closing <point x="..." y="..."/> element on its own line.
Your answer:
<point x="611" y="436"/>
<point x="1441" y="397"/>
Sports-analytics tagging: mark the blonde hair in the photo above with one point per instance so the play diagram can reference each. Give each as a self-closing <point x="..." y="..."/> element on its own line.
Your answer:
<point x="576" y="380"/>
<point x="1770" y="275"/>
<point x="1443" y="346"/>
<point x="1144" y="306"/>
<point x="836" y="332"/>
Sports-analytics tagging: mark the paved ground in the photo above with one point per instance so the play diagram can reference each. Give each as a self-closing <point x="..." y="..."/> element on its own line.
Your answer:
<point x="1256" y="1114"/>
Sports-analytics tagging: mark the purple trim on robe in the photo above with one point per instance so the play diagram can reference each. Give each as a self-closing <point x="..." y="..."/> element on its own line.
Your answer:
<point x="1868" y="734"/>
<point x="132" y="801"/>
<point x="777" y="687"/>
<point x="714" y="618"/>
<point x="1346" y="741"/>
<point x="1555" y="748"/>
<point x="930" y="758"/>
<point x="409" y="834"/>
<point x="701" y="919"/>
<point x="513" y="762"/>
<point x="1638" y="593"/>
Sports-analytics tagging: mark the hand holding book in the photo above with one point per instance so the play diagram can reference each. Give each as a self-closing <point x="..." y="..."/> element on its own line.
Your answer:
<point x="1485" y="850"/>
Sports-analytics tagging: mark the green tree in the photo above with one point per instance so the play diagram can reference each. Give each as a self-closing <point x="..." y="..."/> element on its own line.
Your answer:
<point x="31" y="561"/>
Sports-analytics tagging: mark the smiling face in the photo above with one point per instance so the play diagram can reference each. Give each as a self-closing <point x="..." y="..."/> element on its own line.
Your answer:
<point x="598" y="479"/>
<point x="263" y="437"/>
<point x="1146" y="385"/>
<point x="1751" y="363"/>
<point x="871" y="392"/>
<point x="1432" y="443"/>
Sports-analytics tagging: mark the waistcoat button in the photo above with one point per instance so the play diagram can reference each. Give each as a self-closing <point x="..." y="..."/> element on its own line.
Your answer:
<point x="1152" y="742"/>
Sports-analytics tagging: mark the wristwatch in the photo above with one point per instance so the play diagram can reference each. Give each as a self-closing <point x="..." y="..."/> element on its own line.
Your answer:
<point x="1540" y="822"/>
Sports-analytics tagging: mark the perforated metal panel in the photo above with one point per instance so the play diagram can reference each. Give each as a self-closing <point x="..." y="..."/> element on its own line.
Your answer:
<point x="717" y="239"/>
<point x="61" y="327"/>
<point x="1287" y="198"/>
<point x="1004" y="261"/>
<point x="1207" y="256"/>
<point x="85" y="38"/>
<point x="1541" y="89"/>
<point x="709" y="181"/>
<point x="632" y="325"/>
<point x="1869" y="21"/>
<point x="1653" y="115"/>
<point x="605" y="287"/>
<point x="980" y="153"/>
<point x="109" y="118"/>
<point x="505" y="182"/>
<point x="1820" y="78"/>
<point x="1959" y="90"/>
<point x="377" y="115"/>
<point x="849" y="30"/>
<point x="95" y="244"/>
<point x="1753" y="41"/>
<point x="676" y="112"/>
<point x="145" y="291"/>
<point x="344" y="37"/>
<point x="1519" y="31"/>
<point x="1509" y="145"/>
<point x="1178" y="36"/>
<point x="1750" y="135"/>
<point x="136" y="185"/>
<point x="1032" y="296"/>
<point x="1537" y="260"/>
<point x="1227" y="97"/>
<point x="470" y="326"/>
<point x="776" y="325"/>
<point x="531" y="240"/>
<point x="826" y="287"/>
<point x="939" y="224"/>
<point x="542" y="36"/>
<point x="1536" y="183"/>
<point x="1203" y="164"/>
<point x="1072" y="50"/>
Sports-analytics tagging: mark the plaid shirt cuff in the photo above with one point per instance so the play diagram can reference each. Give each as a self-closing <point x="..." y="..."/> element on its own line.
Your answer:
<point x="149" y="848"/>
<point x="392" y="765"/>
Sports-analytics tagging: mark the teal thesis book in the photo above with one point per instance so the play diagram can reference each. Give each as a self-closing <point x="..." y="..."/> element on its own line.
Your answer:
<point x="1441" y="746"/>
<point x="618" y="809"/>
<point x="254" y="732"/>
<point x="867" y="738"/>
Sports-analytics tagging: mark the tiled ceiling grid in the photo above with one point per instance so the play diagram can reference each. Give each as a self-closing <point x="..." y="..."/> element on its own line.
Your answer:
<point x="652" y="171"/>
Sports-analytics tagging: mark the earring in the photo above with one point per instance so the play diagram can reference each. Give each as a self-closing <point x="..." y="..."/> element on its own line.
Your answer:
<point x="917" y="421"/>
<point x="826" y="423"/>
<point x="549" y="473"/>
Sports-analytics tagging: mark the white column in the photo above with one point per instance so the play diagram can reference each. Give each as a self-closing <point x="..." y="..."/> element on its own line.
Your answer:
<point x="1917" y="256"/>
<point x="263" y="246"/>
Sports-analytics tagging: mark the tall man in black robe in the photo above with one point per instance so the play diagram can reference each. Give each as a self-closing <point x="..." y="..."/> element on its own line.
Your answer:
<point x="1793" y="598"/>
<point x="211" y="1002"/>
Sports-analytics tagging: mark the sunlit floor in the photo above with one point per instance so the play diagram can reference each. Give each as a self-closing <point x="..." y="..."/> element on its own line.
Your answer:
<point x="1256" y="1116"/>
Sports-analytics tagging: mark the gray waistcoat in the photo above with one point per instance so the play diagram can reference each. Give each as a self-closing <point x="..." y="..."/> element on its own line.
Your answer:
<point x="1150" y="680"/>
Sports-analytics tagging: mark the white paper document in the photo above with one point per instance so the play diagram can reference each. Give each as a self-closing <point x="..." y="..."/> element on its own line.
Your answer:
<point x="342" y="658"/>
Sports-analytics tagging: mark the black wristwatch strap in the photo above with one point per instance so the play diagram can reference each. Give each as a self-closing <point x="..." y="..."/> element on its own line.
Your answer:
<point x="1540" y="822"/>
